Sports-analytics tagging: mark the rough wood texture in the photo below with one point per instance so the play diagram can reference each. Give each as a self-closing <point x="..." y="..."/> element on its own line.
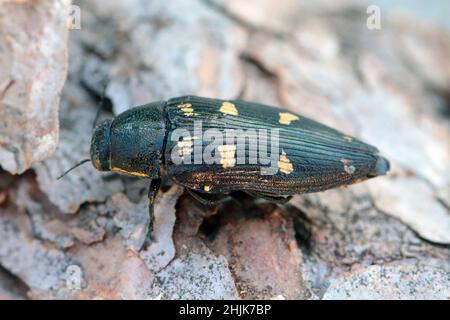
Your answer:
<point x="33" y="68"/>
<point x="80" y="237"/>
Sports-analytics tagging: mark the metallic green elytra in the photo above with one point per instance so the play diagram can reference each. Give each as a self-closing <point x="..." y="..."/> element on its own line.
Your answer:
<point x="302" y="155"/>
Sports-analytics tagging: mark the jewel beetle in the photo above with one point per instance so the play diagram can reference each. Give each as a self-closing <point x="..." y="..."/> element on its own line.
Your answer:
<point x="214" y="147"/>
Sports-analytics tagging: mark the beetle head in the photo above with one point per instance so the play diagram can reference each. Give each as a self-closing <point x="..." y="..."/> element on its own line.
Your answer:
<point x="101" y="146"/>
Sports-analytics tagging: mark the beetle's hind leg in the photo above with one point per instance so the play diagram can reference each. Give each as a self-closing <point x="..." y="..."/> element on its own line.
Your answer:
<point x="270" y="197"/>
<point x="207" y="199"/>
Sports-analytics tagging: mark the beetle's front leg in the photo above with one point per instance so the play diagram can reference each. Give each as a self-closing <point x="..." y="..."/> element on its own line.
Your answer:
<point x="152" y="192"/>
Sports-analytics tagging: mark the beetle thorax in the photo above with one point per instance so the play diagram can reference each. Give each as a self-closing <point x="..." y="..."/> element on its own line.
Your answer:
<point x="136" y="140"/>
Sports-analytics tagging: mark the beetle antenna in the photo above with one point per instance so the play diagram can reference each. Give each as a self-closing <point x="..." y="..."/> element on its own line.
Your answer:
<point x="100" y="106"/>
<point x="75" y="166"/>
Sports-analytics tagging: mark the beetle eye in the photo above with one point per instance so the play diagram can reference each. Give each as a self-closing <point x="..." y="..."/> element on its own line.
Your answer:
<point x="100" y="146"/>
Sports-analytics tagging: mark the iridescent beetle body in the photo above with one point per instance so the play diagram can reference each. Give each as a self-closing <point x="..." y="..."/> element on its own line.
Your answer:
<point x="312" y="157"/>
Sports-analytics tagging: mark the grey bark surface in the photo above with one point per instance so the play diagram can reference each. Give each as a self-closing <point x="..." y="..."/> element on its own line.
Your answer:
<point x="80" y="237"/>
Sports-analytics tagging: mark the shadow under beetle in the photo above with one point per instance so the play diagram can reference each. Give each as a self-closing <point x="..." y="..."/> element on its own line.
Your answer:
<point x="312" y="157"/>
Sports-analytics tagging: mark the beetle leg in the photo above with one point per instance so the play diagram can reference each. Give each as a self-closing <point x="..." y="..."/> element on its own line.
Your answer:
<point x="207" y="198"/>
<point x="152" y="192"/>
<point x="153" y="189"/>
<point x="270" y="197"/>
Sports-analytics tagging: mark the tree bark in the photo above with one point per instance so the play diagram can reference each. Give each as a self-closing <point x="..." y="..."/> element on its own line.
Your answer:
<point x="387" y="238"/>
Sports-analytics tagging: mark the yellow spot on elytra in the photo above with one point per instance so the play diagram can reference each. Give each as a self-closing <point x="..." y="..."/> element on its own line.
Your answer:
<point x="139" y="174"/>
<point x="348" y="138"/>
<point x="227" y="158"/>
<point x="285" y="164"/>
<point x="187" y="109"/>
<point x="287" y="118"/>
<point x="207" y="188"/>
<point x="229" y="108"/>
<point x="347" y="166"/>
<point x="349" y="169"/>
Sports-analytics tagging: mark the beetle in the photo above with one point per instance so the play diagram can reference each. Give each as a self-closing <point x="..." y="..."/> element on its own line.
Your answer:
<point x="309" y="157"/>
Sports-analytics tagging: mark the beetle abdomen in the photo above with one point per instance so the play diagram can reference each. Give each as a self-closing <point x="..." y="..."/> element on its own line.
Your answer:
<point x="294" y="154"/>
